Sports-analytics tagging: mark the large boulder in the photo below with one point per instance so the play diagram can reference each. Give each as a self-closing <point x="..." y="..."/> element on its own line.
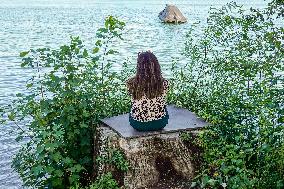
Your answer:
<point x="172" y="14"/>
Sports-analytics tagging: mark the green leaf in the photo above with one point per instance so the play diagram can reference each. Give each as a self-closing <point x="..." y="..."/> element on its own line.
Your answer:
<point x="58" y="173"/>
<point x="111" y="52"/>
<point x="11" y="116"/>
<point x="85" y="53"/>
<point x="211" y="182"/>
<point x="29" y="85"/>
<point x="37" y="170"/>
<point x="98" y="43"/>
<point x="24" y="53"/>
<point x="193" y="184"/>
<point x="103" y="30"/>
<point x="19" y="94"/>
<point x="78" y="167"/>
<point x="18" y="138"/>
<point x="56" y="182"/>
<point x="49" y="169"/>
<point x="57" y="156"/>
<point x="67" y="160"/>
<point x="95" y="50"/>
<point x="83" y="125"/>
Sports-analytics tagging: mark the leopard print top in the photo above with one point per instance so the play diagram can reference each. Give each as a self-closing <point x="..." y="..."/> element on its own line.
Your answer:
<point x="146" y="109"/>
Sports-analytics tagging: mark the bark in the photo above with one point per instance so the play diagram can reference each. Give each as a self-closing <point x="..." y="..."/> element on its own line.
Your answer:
<point x="151" y="158"/>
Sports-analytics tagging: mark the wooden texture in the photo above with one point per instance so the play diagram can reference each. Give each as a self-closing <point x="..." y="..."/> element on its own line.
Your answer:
<point x="151" y="155"/>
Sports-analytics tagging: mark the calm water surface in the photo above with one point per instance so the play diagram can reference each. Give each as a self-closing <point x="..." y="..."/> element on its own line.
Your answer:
<point x="26" y="24"/>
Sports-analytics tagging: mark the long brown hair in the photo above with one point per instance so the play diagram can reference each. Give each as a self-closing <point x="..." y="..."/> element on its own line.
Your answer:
<point x="148" y="79"/>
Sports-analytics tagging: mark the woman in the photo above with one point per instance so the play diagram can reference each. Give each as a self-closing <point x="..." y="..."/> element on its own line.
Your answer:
<point x="148" y="95"/>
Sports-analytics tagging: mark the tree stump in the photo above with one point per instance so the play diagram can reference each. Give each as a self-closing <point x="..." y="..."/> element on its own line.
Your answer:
<point x="151" y="155"/>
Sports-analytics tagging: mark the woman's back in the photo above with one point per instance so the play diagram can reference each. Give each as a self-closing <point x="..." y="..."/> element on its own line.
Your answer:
<point x="146" y="109"/>
<point x="148" y="91"/>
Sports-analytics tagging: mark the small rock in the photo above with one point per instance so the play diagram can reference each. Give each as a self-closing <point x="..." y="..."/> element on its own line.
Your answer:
<point x="172" y="14"/>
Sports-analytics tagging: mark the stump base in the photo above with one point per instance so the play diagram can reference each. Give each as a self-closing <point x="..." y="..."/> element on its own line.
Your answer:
<point x="154" y="158"/>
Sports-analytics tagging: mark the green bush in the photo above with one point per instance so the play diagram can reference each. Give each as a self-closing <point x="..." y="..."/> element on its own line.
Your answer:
<point x="72" y="89"/>
<point x="105" y="181"/>
<point x="234" y="79"/>
<point x="116" y="158"/>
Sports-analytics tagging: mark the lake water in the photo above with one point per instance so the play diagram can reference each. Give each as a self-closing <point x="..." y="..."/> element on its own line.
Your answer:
<point x="26" y="24"/>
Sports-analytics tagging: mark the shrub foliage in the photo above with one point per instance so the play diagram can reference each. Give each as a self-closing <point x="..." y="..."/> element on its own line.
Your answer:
<point x="234" y="79"/>
<point x="72" y="89"/>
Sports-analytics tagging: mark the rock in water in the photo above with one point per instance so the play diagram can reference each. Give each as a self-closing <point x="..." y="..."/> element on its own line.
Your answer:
<point x="172" y="14"/>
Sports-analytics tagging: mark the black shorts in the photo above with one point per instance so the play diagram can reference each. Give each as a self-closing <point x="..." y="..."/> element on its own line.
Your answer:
<point x="150" y="125"/>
